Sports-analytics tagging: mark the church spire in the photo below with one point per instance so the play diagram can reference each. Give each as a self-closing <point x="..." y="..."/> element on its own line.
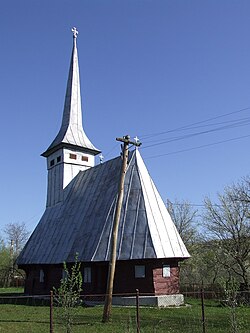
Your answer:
<point x="71" y="132"/>
<point x="71" y="151"/>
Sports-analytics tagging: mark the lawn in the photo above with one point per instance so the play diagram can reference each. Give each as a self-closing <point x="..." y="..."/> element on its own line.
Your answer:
<point x="35" y="319"/>
<point x="11" y="290"/>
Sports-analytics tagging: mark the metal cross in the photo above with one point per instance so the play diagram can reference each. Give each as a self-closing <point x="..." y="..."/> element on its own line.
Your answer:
<point x="75" y="32"/>
<point x="101" y="158"/>
<point x="137" y="140"/>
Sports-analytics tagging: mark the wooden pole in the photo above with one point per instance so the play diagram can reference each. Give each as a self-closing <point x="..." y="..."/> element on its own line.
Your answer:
<point x="203" y="309"/>
<point x="112" y="263"/>
<point x="51" y="312"/>
<point x="137" y="312"/>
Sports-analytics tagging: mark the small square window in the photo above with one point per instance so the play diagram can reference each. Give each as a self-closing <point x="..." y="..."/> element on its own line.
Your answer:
<point x="87" y="274"/>
<point x="139" y="271"/>
<point x="85" y="158"/>
<point x="58" y="159"/>
<point x="166" y="271"/>
<point x="72" y="156"/>
<point x="52" y="162"/>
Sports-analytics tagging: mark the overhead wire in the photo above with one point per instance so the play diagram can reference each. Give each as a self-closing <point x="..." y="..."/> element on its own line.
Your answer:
<point x="145" y="136"/>
<point x="161" y="142"/>
<point x="194" y="204"/>
<point x="187" y="204"/>
<point x="215" y="127"/>
<point x="234" y="123"/>
<point x="198" y="147"/>
<point x="110" y="151"/>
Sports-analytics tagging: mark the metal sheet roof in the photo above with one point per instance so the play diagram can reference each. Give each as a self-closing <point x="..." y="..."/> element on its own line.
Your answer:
<point x="83" y="222"/>
<point x="71" y="132"/>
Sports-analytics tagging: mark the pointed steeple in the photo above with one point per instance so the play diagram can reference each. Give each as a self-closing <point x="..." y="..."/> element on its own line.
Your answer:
<point x="71" y="132"/>
<point x="71" y="151"/>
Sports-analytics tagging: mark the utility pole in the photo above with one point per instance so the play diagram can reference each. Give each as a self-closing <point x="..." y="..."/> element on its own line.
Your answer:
<point x="11" y="270"/>
<point x="108" y="297"/>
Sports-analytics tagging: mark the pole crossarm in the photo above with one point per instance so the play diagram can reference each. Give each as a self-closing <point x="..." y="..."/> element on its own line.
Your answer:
<point x="126" y="140"/>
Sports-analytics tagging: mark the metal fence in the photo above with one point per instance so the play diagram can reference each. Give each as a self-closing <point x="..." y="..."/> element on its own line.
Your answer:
<point x="202" y="312"/>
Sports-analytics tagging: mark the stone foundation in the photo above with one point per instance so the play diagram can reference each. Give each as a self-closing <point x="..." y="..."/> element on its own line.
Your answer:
<point x="159" y="301"/>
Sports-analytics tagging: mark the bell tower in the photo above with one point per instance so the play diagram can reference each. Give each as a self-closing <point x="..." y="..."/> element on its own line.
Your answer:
<point x="71" y="151"/>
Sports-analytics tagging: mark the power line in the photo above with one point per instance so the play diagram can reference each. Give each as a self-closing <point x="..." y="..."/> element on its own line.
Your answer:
<point x="110" y="151"/>
<point x="196" y="134"/>
<point x="230" y="124"/>
<point x="234" y="123"/>
<point x="193" y="204"/>
<point x="188" y="204"/>
<point x="199" y="147"/>
<point x="192" y="124"/>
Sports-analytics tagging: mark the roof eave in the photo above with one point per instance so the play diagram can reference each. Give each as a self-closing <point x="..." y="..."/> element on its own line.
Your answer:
<point x="61" y="145"/>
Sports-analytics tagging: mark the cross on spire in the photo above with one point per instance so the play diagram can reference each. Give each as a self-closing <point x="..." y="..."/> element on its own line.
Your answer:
<point x="75" y="32"/>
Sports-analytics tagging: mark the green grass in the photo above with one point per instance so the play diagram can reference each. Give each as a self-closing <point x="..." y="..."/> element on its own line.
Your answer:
<point x="35" y="319"/>
<point x="11" y="290"/>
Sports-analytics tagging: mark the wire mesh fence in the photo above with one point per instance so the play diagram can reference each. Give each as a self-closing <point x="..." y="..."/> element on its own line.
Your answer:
<point x="202" y="312"/>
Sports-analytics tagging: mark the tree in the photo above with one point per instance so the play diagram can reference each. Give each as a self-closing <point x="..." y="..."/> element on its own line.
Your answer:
<point x="242" y="190"/>
<point x="185" y="220"/>
<point x="228" y="223"/>
<point x="203" y="264"/>
<point x="5" y="265"/>
<point x="67" y="296"/>
<point x="17" y="235"/>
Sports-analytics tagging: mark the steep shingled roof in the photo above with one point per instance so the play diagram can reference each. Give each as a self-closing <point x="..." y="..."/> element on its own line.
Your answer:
<point x="83" y="222"/>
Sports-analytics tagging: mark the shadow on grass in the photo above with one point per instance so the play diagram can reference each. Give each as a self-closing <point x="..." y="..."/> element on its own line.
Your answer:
<point x="43" y="322"/>
<point x="24" y="321"/>
<point x="23" y="300"/>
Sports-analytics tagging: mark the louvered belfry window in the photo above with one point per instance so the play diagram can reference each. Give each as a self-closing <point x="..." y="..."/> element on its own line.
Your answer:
<point x="72" y="156"/>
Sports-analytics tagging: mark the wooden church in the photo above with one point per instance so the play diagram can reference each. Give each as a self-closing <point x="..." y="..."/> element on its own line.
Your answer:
<point x="79" y="216"/>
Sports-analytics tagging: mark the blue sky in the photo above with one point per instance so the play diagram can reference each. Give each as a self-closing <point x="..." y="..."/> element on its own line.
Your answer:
<point x="147" y="67"/>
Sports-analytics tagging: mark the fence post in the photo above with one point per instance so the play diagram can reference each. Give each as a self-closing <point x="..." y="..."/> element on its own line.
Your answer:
<point x="137" y="311"/>
<point x="203" y="309"/>
<point x="51" y="311"/>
